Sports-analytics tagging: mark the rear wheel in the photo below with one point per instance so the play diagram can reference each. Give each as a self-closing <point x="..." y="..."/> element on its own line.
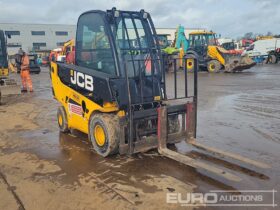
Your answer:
<point x="190" y="65"/>
<point x="213" y="66"/>
<point x="272" y="59"/>
<point x="62" y="120"/>
<point x="104" y="133"/>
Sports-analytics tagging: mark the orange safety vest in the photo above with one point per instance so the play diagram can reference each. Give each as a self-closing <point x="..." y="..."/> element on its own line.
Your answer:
<point x="24" y="63"/>
<point x="148" y="65"/>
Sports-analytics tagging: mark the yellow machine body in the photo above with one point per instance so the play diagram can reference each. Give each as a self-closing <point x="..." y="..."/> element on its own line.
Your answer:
<point x="4" y="72"/>
<point x="214" y="53"/>
<point x="64" y="94"/>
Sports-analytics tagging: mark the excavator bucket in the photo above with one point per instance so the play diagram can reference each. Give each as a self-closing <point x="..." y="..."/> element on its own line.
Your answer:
<point x="235" y="63"/>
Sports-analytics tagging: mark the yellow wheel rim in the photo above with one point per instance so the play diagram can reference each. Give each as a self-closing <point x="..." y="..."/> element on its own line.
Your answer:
<point x="99" y="135"/>
<point x="60" y="120"/>
<point x="189" y="64"/>
<point x="211" y="67"/>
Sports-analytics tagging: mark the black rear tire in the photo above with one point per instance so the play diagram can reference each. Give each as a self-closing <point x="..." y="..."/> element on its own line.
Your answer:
<point x="108" y="125"/>
<point x="62" y="120"/>
<point x="272" y="59"/>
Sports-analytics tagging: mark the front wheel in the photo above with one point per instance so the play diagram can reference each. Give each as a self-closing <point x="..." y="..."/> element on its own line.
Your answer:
<point x="104" y="133"/>
<point x="62" y="120"/>
<point x="213" y="66"/>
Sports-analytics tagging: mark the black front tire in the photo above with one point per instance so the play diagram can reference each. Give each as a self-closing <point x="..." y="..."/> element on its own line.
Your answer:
<point x="111" y="127"/>
<point x="214" y="66"/>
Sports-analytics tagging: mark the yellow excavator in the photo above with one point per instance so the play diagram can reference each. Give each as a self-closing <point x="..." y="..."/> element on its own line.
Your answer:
<point x="116" y="91"/>
<point x="8" y="86"/>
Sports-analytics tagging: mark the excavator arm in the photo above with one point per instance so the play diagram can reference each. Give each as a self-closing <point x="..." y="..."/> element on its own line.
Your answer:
<point x="180" y="39"/>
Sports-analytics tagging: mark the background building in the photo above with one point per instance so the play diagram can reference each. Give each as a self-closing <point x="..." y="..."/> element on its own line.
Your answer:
<point x="37" y="37"/>
<point x="45" y="37"/>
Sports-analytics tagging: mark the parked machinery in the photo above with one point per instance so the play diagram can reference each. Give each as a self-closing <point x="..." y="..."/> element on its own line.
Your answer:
<point x="56" y="55"/>
<point x="33" y="63"/>
<point x="213" y="57"/>
<point x="116" y="91"/>
<point x="8" y="86"/>
<point x="273" y="56"/>
<point x="230" y="45"/>
<point x="170" y="53"/>
<point x="174" y="51"/>
<point x="68" y="51"/>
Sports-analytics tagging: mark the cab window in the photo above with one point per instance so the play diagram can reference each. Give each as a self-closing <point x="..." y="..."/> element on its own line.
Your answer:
<point x="93" y="45"/>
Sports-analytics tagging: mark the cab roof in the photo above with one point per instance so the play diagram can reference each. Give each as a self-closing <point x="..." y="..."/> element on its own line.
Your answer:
<point x="202" y="32"/>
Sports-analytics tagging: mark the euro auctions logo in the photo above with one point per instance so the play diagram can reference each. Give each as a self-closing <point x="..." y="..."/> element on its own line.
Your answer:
<point x="192" y="198"/>
<point x="257" y="198"/>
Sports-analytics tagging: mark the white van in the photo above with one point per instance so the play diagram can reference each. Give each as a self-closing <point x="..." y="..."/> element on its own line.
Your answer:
<point x="262" y="47"/>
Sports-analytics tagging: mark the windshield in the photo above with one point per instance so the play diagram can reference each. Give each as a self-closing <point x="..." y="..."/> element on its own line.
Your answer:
<point x="229" y="46"/>
<point x="135" y="43"/>
<point x="202" y="39"/>
<point x="130" y="37"/>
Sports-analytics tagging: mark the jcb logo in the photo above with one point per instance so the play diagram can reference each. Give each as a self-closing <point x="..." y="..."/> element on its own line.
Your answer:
<point x="82" y="80"/>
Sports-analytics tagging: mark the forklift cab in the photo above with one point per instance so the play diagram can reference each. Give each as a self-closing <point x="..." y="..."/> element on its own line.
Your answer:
<point x="121" y="45"/>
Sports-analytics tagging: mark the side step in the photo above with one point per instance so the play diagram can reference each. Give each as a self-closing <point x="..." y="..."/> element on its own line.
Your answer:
<point x="163" y="150"/>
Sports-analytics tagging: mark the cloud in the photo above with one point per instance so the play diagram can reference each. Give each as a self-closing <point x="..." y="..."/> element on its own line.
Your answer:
<point x="227" y="17"/>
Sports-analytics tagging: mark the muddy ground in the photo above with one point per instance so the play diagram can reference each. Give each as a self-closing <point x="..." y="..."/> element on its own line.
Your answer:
<point x="41" y="168"/>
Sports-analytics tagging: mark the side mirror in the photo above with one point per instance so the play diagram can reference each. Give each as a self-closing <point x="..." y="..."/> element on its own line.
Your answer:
<point x="9" y="36"/>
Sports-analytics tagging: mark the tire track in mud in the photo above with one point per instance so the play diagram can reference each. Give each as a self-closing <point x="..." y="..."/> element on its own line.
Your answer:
<point x="265" y="108"/>
<point x="110" y="189"/>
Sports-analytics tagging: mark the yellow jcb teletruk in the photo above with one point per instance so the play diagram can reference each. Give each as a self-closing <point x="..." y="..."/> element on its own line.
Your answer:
<point x="116" y="91"/>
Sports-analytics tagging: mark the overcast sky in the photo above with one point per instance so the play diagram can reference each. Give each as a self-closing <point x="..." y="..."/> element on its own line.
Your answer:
<point x="231" y="18"/>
